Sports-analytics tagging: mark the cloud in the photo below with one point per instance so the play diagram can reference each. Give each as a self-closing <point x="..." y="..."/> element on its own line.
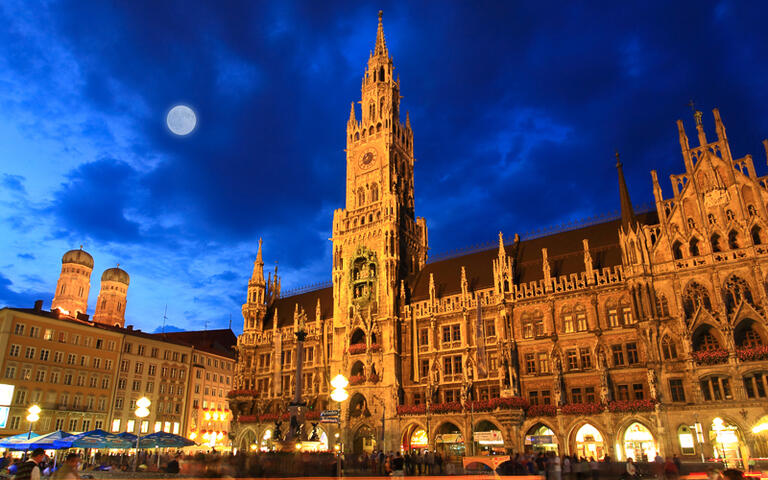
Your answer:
<point x="168" y="329"/>
<point x="25" y="256"/>
<point x="14" y="183"/>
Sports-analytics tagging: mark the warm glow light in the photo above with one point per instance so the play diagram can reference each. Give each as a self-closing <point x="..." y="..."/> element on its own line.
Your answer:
<point x="339" y="395"/>
<point x="192" y="436"/>
<point x="142" y="412"/>
<point x="215" y="415"/>
<point x="254" y="446"/>
<point x="760" y="427"/>
<point x="339" y="381"/>
<point x="143" y="402"/>
<point x="34" y="409"/>
<point x="298" y="446"/>
<point x="33" y="417"/>
<point x="205" y="436"/>
<point x="207" y="415"/>
<point x="220" y="435"/>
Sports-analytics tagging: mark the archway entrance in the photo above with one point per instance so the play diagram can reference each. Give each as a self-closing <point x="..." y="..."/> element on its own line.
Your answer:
<point x="540" y="438"/>
<point x="487" y="439"/>
<point x="449" y="440"/>
<point x="246" y="440"/>
<point x="727" y="442"/>
<point x="415" y="438"/>
<point x="364" y="441"/>
<point x="759" y="446"/>
<point x="267" y="443"/>
<point x="639" y="443"/>
<point x="589" y="442"/>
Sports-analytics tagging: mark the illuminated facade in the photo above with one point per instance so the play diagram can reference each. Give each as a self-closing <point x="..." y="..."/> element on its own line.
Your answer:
<point x="629" y="336"/>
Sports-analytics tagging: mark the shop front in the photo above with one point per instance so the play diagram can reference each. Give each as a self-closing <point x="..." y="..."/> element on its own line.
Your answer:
<point x="726" y="440"/>
<point x="488" y="439"/>
<point x="540" y="438"/>
<point x="759" y="446"/>
<point x="414" y="438"/>
<point x="589" y="442"/>
<point x="449" y="440"/>
<point x="639" y="443"/>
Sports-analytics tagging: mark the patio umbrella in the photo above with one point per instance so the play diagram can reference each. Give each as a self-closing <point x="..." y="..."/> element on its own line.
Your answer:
<point x="13" y="440"/>
<point x="127" y="436"/>
<point x="93" y="439"/>
<point x="164" y="440"/>
<point x="42" y="441"/>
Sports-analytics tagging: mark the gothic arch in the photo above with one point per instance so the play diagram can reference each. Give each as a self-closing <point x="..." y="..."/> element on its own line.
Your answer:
<point x="716" y="242"/>
<point x="734" y="239"/>
<point x="693" y="246"/>
<point x="695" y="297"/>
<point x="669" y="350"/>
<point x="735" y="291"/>
<point x="748" y="333"/>
<point x="677" y="250"/>
<point x="756" y="232"/>
<point x="576" y="425"/>
<point x="707" y="337"/>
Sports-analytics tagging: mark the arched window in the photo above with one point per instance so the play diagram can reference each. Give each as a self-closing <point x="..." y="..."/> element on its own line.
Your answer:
<point x="381" y="76"/>
<point x="668" y="348"/>
<point x="360" y="197"/>
<point x="370" y="131"/>
<point x="677" y="250"/>
<point x="729" y="215"/>
<point x="751" y="210"/>
<point x="567" y="317"/>
<point x="711" y="219"/>
<point x="756" y="235"/>
<point x="538" y="323"/>
<point x="745" y="334"/>
<point x="612" y="312"/>
<point x="736" y="291"/>
<point x="581" y="318"/>
<point x="695" y="296"/>
<point x="375" y="192"/>
<point x="691" y="223"/>
<point x="357" y="135"/>
<point x="378" y="127"/>
<point x="693" y="247"/>
<point x="371" y="111"/>
<point x="715" y="242"/>
<point x="632" y="257"/>
<point x="381" y="106"/>
<point x="662" y="305"/>
<point x="733" y="240"/>
<point x="626" y="312"/>
<point x="527" y="321"/>
<point x="704" y="339"/>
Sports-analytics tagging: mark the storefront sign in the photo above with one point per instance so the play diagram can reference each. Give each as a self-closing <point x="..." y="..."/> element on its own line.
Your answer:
<point x="489" y="438"/>
<point x="539" y="439"/>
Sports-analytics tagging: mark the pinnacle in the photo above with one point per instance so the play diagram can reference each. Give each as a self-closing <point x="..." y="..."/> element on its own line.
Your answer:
<point x="381" y="44"/>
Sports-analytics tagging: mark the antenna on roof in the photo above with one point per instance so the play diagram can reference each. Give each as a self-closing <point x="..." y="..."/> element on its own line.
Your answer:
<point x="230" y="321"/>
<point x="205" y="326"/>
<point x="165" y="317"/>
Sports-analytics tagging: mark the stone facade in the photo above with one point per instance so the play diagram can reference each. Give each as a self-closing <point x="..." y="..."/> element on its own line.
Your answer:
<point x="628" y="336"/>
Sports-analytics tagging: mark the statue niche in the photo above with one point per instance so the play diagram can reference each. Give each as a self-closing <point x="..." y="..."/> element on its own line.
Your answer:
<point x="363" y="278"/>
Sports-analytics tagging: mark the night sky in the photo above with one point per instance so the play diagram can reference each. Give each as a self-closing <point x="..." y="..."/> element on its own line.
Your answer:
<point x="517" y="108"/>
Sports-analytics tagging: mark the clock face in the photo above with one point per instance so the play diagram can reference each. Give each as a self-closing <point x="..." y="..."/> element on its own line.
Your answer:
<point x="367" y="159"/>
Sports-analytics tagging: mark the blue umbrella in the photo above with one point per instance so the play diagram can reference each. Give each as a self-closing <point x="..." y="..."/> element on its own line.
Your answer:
<point x="42" y="441"/>
<point x="13" y="440"/>
<point x="127" y="436"/>
<point x="164" y="440"/>
<point x="93" y="439"/>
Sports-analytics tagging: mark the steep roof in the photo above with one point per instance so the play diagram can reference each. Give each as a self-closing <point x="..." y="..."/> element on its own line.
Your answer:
<point x="564" y="250"/>
<point x="307" y="301"/>
<point x="219" y="342"/>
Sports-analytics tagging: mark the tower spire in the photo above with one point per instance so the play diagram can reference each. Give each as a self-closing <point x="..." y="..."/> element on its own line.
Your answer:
<point x="352" y="119"/>
<point x="627" y="214"/>
<point x="258" y="267"/>
<point x="381" y="44"/>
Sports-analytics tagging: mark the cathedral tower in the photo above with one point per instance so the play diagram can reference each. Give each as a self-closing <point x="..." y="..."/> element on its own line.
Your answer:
<point x="260" y="294"/>
<point x="110" y="306"/>
<point x="74" y="283"/>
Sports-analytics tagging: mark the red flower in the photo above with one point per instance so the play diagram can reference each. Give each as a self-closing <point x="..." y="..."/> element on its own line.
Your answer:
<point x="542" y="411"/>
<point x="497" y="403"/>
<point x="374" y="378"/>
<point x="247" y="418"/>
<point x="710" y="357"/>
<point x="312" y="415"/>
<point x="411" y="409"/>
<point x="749" y="354"/>
<point x="375" y="347"/>
<point x="357" y="379"/>
<point x="357" y="348"/>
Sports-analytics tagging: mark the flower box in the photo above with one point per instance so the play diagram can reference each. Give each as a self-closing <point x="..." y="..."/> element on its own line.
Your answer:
<point x="632" y="406"/>
<point x="750" y="354"/>
<point x="312" y="415"/>
<point x="374" y="378"/>
<point x="447" y="407"/>
<point x="247" y="418"/>
<point x="357" y="379"/>
<point x="357" y="349"/>
<point x="420" y="409"/>
<point x="710" y="357"/>
<point x="273" y="417"/>
<point x="375" y="347"/>
<point x="494" y="403"/>
<point x="542" y="411"/>
<point x="582" y="408"/>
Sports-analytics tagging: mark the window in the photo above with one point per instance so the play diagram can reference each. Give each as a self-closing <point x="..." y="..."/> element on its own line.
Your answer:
<point x="45" y="354"/>
<point x="29" y="353"/>
<point x="124" y="365"/>
<point x="105" y="383"/>
<point x="136" y="385"/>
<point x="118" y="403"/>
<point x="14" y="351"/>
<point x="18" y="329"/>
<point x="756" y="385"/>
<point x="71" y="359"/>
<point x="424" y="337"/>
<point x="67" y="379"/>
<point x="622" y="392"/>
<point x="116" y="425"/>
<point x="108" y="365"/>
<point x="490" y="328"/>
<point x="152" y="369"/>
<point x="668" y="348"/>
<point x="637" y="391"/>
<point x="736" y="291"/>
<point x="618" y="355"/>
<point x="309" y="355"/>
<point x="589" y="394"/>
<point x="10" y="372"/>
<point x="127" y="347"/>
<point x="86" y="426"/>
<point x="26" y="373"/>
<point x="21" y="396"/>
<point x="102" y="404"/>
<point x="285" y="358"/>
<point x="14" y="423"/>
<point x="99" y="343"/>
<point x="585" y="357"/>
<point x="530" y="363"/>
<point x="452" y="365"/>
<point x="543" y="363"/>
<point x="568" y="325"/>
<point x="94" y="382"/>
<point x="632" y="357"/>
<point x="533" y="398"/>
<point x="626" y="313"/>
<point x="612" y="311"/>
<point x="715" y="388"/>
<point x="34" y="332"/>
<point x="581" y="318"/>
<point x="695" y="296"/>
<point x="572" y="359"/>
<point x="138" y="368"/>
<point x="54" y="377"/>
<point x="121" y="383"/>
<point x="154" y="352"/>
<point x="546" y="398"/>
<point x="150" y="387"/>
<point x="424" y="369"/>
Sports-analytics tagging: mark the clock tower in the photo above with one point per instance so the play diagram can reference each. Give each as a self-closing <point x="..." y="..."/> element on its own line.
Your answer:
<point x="377" y="239"/>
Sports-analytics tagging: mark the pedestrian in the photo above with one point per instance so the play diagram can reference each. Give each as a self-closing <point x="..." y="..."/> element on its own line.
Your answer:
<point x="68" y="470"/>
<point x="594" y="467"/>
<point x="670" y="469"/>
<point x="556" y="472"/>
<point x="397" y="465"/>
<point x="631" y="469"/>
<point x="439" y="462"/>
<point x="429" y="460"/>
<point x="30" y="470"/>
<point x="676" y="459"/>
<point x="566" y="467"/>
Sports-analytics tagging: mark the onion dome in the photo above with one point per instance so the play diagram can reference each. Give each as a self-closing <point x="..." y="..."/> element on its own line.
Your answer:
<point x="115" y="274"/>
<point x="80" y="257"/>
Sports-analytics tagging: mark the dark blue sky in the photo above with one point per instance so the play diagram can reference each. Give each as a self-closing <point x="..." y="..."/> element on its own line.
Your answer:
<point x="517" y="108"/>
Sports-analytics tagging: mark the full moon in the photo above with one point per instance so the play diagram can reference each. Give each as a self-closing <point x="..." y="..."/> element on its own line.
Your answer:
<point x="181" y="120"/>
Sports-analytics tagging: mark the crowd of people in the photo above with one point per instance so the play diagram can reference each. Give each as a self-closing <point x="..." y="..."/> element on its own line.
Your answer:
<point x="414" y="462"/>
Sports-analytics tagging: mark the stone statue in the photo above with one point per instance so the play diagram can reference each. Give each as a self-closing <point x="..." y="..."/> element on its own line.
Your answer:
<point x="653" y="384"/>
<point x="602" y="363"/>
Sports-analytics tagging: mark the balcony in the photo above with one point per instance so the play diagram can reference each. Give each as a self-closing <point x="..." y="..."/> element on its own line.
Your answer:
<point x="710" y="357"/>
<point x="752" y="354"/>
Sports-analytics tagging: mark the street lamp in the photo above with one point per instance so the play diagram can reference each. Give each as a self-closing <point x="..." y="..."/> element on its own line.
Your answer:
<point x="34" y="415"/>
<point x="142" y="412"/>
<point x="339" y="394"/>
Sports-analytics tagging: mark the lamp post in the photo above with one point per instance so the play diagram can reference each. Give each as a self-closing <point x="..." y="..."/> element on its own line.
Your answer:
<point x="34" y="415"/>
<point x="339" y="394"/>
<point x="141" y="412"/>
